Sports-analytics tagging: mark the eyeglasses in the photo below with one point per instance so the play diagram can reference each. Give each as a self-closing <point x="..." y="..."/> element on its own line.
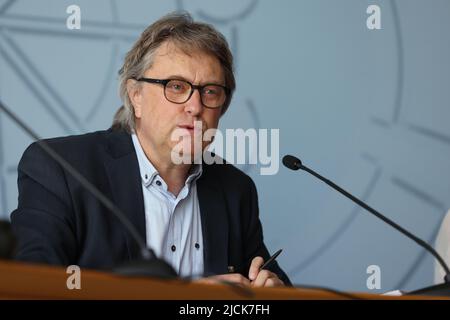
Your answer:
<point x="179" y="91"/>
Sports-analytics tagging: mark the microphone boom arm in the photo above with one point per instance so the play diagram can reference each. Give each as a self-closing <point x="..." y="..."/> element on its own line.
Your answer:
<point x="382" y="217"/>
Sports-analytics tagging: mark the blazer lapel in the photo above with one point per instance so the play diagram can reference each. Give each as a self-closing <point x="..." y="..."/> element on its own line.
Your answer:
<point x="214" y="224"/>
<point x="122" y="169"/>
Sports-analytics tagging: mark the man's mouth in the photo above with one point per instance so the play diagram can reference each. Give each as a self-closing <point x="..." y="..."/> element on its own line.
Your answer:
<point x="187" y="127"/>
<point x="191" y="128"/>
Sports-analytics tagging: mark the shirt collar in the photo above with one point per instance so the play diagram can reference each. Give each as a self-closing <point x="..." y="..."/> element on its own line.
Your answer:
<point x="148" y="171"/>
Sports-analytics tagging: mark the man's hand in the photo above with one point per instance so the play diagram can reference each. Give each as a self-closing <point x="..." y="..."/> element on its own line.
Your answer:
<point x="236" y="278"/>
<point x="262" y="278"/>
<point x="258" y="278"/>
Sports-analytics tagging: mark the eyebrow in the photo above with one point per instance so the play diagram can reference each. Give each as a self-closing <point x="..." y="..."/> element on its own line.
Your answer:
<point x="178" y="77"/>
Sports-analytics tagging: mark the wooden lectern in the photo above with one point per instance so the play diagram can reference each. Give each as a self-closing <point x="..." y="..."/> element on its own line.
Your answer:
<point x="28" y="281"/>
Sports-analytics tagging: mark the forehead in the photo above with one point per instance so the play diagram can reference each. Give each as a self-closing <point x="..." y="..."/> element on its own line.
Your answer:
<point x="193" y="65"/>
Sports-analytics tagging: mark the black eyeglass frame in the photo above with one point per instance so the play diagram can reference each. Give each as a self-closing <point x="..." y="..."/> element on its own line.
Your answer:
<point x="164" y="82"/>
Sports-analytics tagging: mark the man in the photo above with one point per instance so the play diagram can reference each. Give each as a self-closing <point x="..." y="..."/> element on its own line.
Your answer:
<point x="200" y="218"/>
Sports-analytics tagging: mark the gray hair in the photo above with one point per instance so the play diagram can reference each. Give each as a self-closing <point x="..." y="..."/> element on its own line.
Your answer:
<point x="180" y="29"/>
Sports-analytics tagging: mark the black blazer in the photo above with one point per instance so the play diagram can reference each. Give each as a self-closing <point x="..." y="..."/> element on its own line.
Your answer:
<point x="59" y="222"/>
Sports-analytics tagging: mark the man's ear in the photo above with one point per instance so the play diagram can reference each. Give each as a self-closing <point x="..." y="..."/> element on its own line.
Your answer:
<point x="135" y="95"/>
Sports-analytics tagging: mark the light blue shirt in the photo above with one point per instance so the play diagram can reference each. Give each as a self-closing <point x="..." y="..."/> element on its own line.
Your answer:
<point x="173" y="223"/>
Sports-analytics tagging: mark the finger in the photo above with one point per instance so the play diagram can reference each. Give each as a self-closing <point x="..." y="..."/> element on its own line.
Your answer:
<point x="256" y="264"/>
<point x="237" y="278"/>
<point x="273" y="282"/>
<point x="261" y="278"/>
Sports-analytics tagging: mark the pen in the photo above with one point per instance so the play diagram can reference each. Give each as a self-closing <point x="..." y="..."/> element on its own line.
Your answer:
<point x="271" y="260"/>
<point x="232" y="269"/>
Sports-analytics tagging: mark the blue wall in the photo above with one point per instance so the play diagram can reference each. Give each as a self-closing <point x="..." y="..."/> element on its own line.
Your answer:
<point x="367" y="108"/>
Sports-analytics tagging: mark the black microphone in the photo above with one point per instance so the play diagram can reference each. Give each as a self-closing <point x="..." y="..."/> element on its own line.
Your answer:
<point x="149" y="265"/>
<point x="295" y="163"/>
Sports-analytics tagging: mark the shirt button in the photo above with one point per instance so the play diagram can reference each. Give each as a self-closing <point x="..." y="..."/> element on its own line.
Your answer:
<point x="173" y="248"/>
<point x="146" y="177"/>
<point x="197" y="246"/>
<point x="158" y="183"/>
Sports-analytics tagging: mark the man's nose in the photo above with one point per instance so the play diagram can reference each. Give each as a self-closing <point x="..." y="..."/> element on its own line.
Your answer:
<point x="194" y="105"/>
